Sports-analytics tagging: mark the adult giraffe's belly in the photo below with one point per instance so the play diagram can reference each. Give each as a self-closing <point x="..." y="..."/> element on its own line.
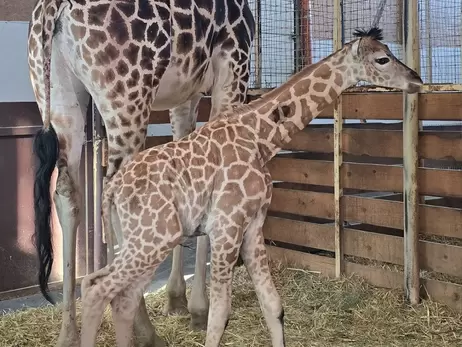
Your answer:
<point x="176" y="88"/>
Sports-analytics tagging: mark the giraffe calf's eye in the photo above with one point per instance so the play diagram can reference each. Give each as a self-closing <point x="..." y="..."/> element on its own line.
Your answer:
<point x="382" y="61"/>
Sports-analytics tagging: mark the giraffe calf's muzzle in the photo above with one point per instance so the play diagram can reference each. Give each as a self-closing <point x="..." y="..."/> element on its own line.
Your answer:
<point x="415" y="83"/>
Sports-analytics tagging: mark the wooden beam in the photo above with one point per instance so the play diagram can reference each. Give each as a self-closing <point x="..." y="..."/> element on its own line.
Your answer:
<point x="303" y="203"/>
<point x="372" y="105"/>
<point x="435" y="220"/>
<point x="446" y="293"/>
<point x="436" y="182"/>
<point x="411" y="158"/>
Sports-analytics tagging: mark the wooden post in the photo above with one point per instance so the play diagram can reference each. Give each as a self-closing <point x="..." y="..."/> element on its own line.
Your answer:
<point x="411" y="158"/>
<point x="338" y="151"/>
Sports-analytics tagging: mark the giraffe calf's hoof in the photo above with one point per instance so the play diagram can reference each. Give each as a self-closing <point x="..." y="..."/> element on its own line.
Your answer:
<point x="199" y="321"/>
<point x="176" y="306"/>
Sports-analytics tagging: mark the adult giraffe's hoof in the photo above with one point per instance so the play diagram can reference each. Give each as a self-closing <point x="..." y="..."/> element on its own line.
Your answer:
<point x="199" y="321"/>
<point x="176" y="306"/>
<point x="69" y="336"/>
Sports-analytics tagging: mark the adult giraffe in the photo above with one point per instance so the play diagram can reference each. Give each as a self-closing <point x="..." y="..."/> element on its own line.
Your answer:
<point x="132" y="57"/>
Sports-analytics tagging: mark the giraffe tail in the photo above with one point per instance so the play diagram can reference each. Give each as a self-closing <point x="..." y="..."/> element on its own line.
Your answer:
<point x="50" y="11"/>
<point x="46" y="149"/>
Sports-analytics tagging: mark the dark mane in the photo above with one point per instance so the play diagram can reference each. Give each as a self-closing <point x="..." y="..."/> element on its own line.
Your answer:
<point x="374" y="33"/>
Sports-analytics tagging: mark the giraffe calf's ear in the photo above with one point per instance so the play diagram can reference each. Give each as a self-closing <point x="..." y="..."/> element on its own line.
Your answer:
<point x="355" y="48"/>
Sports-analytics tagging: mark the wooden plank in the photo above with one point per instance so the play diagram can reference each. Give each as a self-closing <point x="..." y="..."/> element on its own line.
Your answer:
<point x="442" y="221"/>
<point x="304" y="203"/>
<point x="435" y="220"/>
<point x="440" y="145"/>
<point x="390" y="178"/>
<point x="307" y="261"/>
<point x="306" y="234"/>
<point x="440" y="258"/>
<point x="374" y="143"/>
<point x="302" y="171"/>
<point x="381" y="247"/>
<point x="376" y="276"/>
<point x="446" y="293"/>
<point x="438" y="106"/>
<point x="386" y="105"/>
<point x="373" y="177"/>
<point x="446" y="183"/>
<point x="433" y="256"/>
<point x="365" y="176"/>
<point x="312" y="140"/>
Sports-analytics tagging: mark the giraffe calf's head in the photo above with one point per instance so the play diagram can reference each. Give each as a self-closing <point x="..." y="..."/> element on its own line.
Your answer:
<point x="373" y="62"/>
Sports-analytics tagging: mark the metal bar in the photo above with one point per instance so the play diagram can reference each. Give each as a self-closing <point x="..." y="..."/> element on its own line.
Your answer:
<point x="99" y="254"/>
<point x="338" y="151"/>
<point x="411" y="158"/>
<point x="429" y="41"/>
<point x="257" y="44"/>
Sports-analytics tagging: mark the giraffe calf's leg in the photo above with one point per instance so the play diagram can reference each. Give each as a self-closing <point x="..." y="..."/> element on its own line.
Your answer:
<point x="255" y="259"/>
<point x="225" y="250"/>
<point x="95" y="297"/>
<point x="145" y="334"/>
<point x="126" y="309"/>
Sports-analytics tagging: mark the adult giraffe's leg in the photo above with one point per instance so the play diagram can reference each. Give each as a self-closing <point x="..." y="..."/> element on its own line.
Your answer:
<point x="68" y="105"/>
<point x="198" y="304"/>
<point x="183" y="121"/>
<point x="126" y="126"/>
<point x="253" y="253"/>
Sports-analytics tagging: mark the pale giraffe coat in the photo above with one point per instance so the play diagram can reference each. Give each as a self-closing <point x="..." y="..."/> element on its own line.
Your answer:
<point x="216" y="179"/>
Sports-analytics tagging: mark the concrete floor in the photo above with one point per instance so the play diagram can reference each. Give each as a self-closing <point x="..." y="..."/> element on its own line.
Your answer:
<point x="160" y="280"/>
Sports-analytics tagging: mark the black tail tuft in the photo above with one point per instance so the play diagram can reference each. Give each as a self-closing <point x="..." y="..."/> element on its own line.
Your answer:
<point x="46" y="149"/>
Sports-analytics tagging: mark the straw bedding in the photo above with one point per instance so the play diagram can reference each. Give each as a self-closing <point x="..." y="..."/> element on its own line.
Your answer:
<point x="318" y="312"/>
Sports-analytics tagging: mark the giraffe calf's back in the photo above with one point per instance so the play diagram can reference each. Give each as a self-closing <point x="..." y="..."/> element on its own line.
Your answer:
<point x="199" y="177"/>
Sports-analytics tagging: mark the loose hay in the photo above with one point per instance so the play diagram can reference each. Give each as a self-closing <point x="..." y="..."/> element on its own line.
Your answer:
<point x="318" y="312"/>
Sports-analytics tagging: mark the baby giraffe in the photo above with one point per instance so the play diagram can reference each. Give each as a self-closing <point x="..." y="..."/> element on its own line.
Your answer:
<point x="215" y="182"/>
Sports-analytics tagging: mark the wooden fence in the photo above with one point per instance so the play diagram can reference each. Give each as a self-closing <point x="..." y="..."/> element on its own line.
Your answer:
<point x="300" y="225"/>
